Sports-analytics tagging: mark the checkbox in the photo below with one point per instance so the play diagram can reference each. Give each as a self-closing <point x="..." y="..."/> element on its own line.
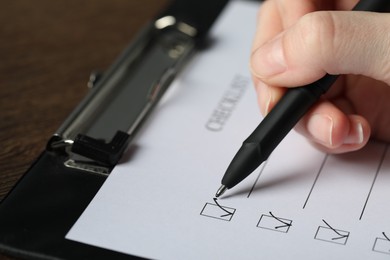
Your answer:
<point x="217" y="212"/>
<point x="336" y="236"/>
<point x="381" y="245"/>
<point x="274" y="223"/>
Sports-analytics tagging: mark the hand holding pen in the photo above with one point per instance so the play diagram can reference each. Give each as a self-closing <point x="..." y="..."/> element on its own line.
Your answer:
<point x="296" y="46"/>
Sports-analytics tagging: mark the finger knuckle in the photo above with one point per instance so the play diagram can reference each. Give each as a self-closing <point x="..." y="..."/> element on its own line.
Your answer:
<point x="318" y="32"/>
<point x="385" y="53"/>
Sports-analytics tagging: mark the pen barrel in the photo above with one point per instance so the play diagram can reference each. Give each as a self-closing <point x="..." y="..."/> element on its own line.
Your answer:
<point x="287" y="112"/>
<point x="274" y="127"/>
<point x="373" y="6"/>
<point x="270" y="132"/>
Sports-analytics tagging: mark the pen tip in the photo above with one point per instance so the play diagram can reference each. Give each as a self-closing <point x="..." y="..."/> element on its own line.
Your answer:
<point x="221" y="191"/>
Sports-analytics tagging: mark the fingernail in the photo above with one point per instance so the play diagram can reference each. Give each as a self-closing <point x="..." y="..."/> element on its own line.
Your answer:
<point x="355" y="135"/>
<point x="269" y="100"/>
<point x="265" y="97"/>
<point x="320" y="128"/>
<point x="268" y="60"/>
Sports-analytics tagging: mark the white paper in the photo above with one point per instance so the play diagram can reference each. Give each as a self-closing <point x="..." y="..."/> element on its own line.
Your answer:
<point x="158" y="203"/>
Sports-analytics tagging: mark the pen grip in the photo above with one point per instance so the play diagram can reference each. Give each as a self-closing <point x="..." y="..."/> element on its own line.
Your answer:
<point x="287" y="112"/>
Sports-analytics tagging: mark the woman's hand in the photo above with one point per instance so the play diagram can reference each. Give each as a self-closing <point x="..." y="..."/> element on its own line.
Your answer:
<point x="296" y="44"/>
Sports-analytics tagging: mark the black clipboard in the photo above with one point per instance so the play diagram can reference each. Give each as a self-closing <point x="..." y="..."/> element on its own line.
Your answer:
<point x="41" y="208"/>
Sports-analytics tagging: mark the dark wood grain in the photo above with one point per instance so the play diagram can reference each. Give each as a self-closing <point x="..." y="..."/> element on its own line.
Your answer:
<point x="47" y="51"/>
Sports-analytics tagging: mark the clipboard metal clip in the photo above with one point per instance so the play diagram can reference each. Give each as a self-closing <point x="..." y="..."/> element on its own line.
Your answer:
<point x="100" y="129"/>
<point x="103" y="155"/>
<point x="102" y="126"/>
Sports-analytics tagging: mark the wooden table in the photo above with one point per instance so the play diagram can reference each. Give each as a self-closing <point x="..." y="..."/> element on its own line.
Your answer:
<point x="47" y="51"/>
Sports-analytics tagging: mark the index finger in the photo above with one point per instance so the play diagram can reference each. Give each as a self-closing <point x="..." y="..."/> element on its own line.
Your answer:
<point x="269" y="23"/>
<point x="277" y="15"/>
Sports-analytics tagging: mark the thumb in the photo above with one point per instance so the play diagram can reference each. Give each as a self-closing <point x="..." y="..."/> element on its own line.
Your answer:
<point x="334" y="42"/>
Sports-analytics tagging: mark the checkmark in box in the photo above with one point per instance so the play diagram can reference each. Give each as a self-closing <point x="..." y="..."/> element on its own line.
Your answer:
<point x="271" y="222"/>
<point x="332" y="235"/>
<point x="382" y="245"/>
<point x="217" y="211"/>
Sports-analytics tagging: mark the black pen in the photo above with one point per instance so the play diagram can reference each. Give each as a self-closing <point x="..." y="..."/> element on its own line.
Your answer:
<point x="282" y="118"/>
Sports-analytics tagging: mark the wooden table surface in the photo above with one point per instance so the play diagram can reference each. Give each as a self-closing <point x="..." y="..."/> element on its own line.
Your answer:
<point x="47" y="51"/>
